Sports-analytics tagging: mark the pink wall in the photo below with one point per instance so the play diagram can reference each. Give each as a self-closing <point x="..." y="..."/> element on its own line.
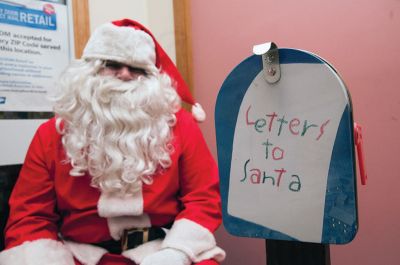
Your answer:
<point x="362" y="41"/>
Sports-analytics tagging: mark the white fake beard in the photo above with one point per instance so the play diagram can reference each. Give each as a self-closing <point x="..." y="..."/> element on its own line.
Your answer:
<point x="119" y="132"/>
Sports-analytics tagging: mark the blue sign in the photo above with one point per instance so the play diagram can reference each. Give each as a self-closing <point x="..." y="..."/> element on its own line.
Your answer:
<point x="21" y="16"/>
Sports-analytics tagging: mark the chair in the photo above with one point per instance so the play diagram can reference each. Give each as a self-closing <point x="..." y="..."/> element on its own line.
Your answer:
<point x="8" y="177"/>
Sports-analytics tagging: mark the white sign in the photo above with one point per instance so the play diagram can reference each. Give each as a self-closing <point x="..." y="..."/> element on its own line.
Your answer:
<point x="34" y="45"/>
<point x="282" y="149"/>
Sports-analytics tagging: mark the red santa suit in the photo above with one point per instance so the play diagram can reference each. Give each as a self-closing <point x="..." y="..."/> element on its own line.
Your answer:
<point x="55" y="218"/>
<point x="54" y="215"/>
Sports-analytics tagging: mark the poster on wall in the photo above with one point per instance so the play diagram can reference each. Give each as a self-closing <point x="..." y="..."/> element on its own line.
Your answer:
<point x="286" y="152"/>
<point x="34" y="45"/>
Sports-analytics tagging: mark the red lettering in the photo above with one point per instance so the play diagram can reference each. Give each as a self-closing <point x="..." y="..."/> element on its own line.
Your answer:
<point x="257" y="174"/>
<point x="281" y="153"/>
<point x="294" y="123"/>
<point x="321" y="129"/>
<point x="281" y="172"/>
<point x="247" y="117"/>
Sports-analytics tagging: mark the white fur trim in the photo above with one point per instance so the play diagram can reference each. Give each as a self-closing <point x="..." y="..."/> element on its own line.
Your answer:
<point x="38" y="252"/>
<point x="116" y="225"/>
<point x="167" y="256"/>
<point x="127" y="45"/>
<point x="194" y="240"/>
<point x="198" y="112"/>
<point x="87" y="254"/>
<point x="216" y="253"/>
<point x="114" y="205"/>
<point x="139" y="253"/>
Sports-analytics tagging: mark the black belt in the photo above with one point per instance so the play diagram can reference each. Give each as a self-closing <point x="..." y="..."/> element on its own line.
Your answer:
<point x="132" y="238"/>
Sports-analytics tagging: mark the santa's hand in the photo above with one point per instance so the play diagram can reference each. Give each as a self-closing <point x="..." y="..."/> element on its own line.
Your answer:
<point x="167" y="256"/>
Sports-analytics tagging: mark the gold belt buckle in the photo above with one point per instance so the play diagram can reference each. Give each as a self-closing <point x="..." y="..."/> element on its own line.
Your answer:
<point x="124" y="239"/>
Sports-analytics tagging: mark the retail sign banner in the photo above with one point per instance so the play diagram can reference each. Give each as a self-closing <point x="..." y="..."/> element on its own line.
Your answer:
<point x="26" y="17"/>
<point x="34" y="45"/>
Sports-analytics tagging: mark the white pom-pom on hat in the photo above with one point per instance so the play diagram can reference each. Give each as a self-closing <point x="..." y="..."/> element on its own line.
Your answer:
<point x="198" y="112"/>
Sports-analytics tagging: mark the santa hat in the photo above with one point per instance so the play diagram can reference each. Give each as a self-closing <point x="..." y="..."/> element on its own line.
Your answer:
<point x="126" y="41"/>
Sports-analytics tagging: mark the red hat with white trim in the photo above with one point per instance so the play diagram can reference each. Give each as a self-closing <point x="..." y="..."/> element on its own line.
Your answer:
<point x="127" y="41"/>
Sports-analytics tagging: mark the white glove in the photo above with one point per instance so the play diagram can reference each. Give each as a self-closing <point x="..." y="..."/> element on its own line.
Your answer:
<point x="167" y="256"/>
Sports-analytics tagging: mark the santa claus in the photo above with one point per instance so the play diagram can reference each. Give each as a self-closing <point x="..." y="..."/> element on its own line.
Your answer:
<point x="122" y="174"/>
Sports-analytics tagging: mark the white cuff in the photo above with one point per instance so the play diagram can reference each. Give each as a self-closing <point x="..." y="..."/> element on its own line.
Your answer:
<point x="139" y="253"/>
<point x="87" y="254"/>
<point x="38" y="252"/>
<point x="167" y="256"/>
<point x="194" y="240"/>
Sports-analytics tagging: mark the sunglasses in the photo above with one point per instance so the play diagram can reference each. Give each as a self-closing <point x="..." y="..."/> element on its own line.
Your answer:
<point x="116" y="66"/>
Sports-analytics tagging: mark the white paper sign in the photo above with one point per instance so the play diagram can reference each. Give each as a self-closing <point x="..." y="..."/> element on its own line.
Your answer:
<point x="282" y="149"/>
<point x="34" y="47"/>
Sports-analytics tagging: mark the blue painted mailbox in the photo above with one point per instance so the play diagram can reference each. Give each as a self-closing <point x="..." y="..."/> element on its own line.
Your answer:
<point x="286" y="151"/>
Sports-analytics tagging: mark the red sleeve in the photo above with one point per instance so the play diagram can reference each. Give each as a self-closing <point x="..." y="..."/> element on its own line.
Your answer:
<point x="199" y="181"/>
<point x="32" y="202"/>
<point x="192" y="231"/>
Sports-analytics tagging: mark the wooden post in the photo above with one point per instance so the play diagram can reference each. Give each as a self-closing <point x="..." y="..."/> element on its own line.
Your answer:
<point x="80" y="10"/>
<point x="183" y="40"/>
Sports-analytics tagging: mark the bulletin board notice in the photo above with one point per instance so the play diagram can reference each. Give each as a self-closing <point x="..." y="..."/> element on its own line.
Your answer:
<point x="34" y="45"/>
